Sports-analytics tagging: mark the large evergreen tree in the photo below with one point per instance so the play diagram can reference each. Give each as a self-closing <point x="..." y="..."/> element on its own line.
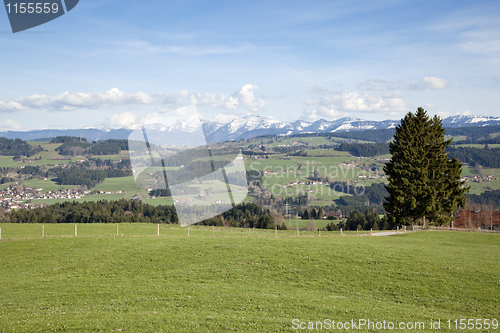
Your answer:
<point x="424" y="184"/>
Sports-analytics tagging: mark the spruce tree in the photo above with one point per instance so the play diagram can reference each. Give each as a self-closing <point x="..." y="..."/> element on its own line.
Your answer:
<point x="424" y="184"/>
<point x="314" y="214"/>
<point x="320" y="213"/>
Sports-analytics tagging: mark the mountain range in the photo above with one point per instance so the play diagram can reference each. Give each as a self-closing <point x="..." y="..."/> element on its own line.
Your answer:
<point x="242" y="128"/>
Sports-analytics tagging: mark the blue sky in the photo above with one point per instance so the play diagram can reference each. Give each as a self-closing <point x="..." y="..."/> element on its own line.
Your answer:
<point x="116" y="62"/>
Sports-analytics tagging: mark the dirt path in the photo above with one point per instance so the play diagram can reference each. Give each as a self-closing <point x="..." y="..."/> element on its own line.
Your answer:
<point x="387" y="233"/>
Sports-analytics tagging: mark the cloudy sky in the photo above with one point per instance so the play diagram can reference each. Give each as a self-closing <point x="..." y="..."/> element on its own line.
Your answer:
<point x="116" y="62"/>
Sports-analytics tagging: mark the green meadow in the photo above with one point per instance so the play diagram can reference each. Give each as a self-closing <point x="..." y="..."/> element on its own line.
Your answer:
<point x="141" y="282"/>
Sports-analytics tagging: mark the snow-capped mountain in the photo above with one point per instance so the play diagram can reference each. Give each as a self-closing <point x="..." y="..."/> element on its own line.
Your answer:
<point x="244" y="128"/>
<point x="241" y="127"/>
<point x="463" y="121"/>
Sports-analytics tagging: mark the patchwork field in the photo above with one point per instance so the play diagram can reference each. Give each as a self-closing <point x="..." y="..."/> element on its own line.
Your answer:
<point x="232" y="282"/>
<point x="284" y="174"/>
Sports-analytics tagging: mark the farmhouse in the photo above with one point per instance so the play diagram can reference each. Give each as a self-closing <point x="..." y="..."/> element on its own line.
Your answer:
<point x="337" y="215"/>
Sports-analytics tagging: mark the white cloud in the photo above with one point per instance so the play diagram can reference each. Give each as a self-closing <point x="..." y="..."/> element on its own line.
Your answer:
<point x="176" y="98"/>
<point x="208" y="99"/>
<point x="243" y="99"/>
<point x="10" y="106"/>
<point x="464" y="113"/>
<point x="67" y="101"/>
<point x="247" y="98"/>
<point x="315" y="111"/>
<point x="10" y="125"/>
<point x="436" y="82"/>
<point x="443" y="114"/>
<point x="151" y="118"/>
<point x="225" y="118"/>
<point x="332" y="105"/>
<point x="121" y="120"/>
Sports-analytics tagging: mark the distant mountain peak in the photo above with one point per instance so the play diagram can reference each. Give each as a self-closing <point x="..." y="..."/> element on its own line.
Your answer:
<point x="245" y="127"/>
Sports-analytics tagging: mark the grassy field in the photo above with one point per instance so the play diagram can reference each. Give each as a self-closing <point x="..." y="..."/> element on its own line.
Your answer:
<point x="175" y="283"/>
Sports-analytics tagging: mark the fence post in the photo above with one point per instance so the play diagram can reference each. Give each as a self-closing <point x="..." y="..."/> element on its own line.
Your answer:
<point x="76" y="232"/>
<point x="117" y="229"/>
<point x="340" y="231"/>
<point x="248" y="231"/>
<point x="398" y="229"/>
<point x="371" y="231"/>
<point x="0" y="233"/>
<point x="276" y="232"/>
<point x="297" y="231"/>
<point x="158" y="231"/>
<point x="319" y="232"/>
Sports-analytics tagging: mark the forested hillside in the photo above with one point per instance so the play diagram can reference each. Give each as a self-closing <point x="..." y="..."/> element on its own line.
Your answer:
<point x="17" y="147"/>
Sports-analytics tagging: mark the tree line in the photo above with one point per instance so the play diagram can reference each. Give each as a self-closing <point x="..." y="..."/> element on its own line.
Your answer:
<point x="120" y="211"/>
<point x="86" y="177"/>
<point x="364" y="149"/>
<point x="17" y="148"/>
<point x="247" y="215"/>
<point x="244" y="215"/>
<point x="486" y="157"/>
<point x="72" y="146"/>
<point x="487" y="198"/>
<point x="362" y="221"/>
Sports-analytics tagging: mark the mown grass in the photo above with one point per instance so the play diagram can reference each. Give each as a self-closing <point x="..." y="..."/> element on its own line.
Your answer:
<point x="218" y="284"/>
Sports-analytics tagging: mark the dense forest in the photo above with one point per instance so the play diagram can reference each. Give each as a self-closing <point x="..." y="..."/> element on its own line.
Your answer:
<point x="72" y="146"/>
<point x="366" y="221"/>
<point x="86" y="177"/>
<point x="121" y="211"/>
<point x="364" y="149"/>
<point x="486" y="157"/>
<point x="108" y="147"/>
<point x="473" y="133"/>
<point x="67" y="139"/>
<point x="488" y="198"/>
<point x="361" y="221"/>
<point x="378" y="136"/>
<point x="248" y="215"/>
<point x="244" y="215"/>
<point x="17" y="148"/>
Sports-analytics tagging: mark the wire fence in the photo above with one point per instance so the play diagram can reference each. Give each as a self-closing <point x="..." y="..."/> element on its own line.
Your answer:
<point x="434" y="228"/>
<point x="12" y="231"/>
